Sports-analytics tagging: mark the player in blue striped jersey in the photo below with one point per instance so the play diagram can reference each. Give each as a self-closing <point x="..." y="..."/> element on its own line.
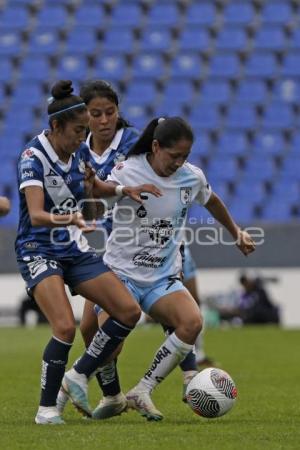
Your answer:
<point x="54" y="178"/>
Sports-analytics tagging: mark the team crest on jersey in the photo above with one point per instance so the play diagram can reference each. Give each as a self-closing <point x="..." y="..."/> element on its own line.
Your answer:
<point x="186" y="195"/>
<point x="27" y="154"/>
<point x="68" y="179"/>
<point x="119" y="158"/>
<point x="161" y="231"/>
<point x="81" y="166"/>
<point x="119" y="166"/>
<point x="101" y="174"/>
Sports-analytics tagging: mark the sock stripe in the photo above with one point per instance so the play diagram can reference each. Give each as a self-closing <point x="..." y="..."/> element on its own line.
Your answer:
<point x="122" y="326"/>
<point x="63" y="342"/>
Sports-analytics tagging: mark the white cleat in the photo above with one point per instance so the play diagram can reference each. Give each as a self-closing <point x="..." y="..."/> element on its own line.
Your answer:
<point x="48" y="415"/>
<point x="141" y="401"/>
<point x="75" y="386"/>
<point x="61" y="401"/>
<point x="110" y="406"/>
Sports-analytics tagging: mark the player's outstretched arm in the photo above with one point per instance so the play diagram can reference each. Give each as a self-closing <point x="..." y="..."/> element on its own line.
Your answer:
<point x="219" y="211"/>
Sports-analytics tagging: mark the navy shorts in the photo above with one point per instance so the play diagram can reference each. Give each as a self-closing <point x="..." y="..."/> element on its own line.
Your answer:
<point x="75" y="270"/>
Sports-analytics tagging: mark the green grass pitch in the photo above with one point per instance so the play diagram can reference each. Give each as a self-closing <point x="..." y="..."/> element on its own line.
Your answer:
<point x="264" y="362"/>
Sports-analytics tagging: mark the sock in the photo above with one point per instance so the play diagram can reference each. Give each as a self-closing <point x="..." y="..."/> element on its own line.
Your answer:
<point x="189" y="362"/>
<point x="108" y="379"/>
<point x="169" y="355"/>
<point x="105" y="341"/>
<point x="200" y="353"/>
<point x="55" y="358"/>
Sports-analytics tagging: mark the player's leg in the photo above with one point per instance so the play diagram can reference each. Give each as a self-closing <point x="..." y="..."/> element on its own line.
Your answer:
<point x="51" y="297"/>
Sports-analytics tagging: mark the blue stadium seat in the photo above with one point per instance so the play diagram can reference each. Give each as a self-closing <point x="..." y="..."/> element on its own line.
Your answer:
<point x="238" y="13"/>
<point x="275" y="211"/>
<point x="241" y="116"/>
<point x="291" y="65"/>
<point x="232" y="143"/>
<point x="278" y="115"/>
<point x="268" y="143"/>
<point x="81" y="41"/>
<point x="202" y="144"/>
<point x="52" y="17"/>
<point x="72" y="67"/>
<point x="166" y="15"/>
<point x="19" y="118"/>
<point x="295" y="142"/>
<point x="179" y="91"/>
<point x="148" y="66"/>
<point x="90" y="16"/>
<point x="251" y="91"/>
<point x="10" y="44"/>
<point x="291" y="168"/>
<point x="44" y="41"/>
<point x="27" y="93"/>
<point x="194" y="39"/>
<point x="167" y="106"/>
<point x="142" y="92"/>
<point x="277" y="12"/>
<point x="14" y="18"/>
<point x="294" y="39"/>
<point x="186" y="66"/>
<point x="250" y="192"/>
<point x="10" y="145"/>
<point x="287" y="90"/>
<point x="270" y="38"/>
<point x="222" y="169"/>
<point x="155" y="40"/>
<point x="118" y="41"/>
<point x="35" y="69"/>
<point x="205" y="117"/>
<point x="110" y="67"/>
<point x="136" y="114"/>
<point x="261" y="65"/>
<point x="224" y="66"/>
<point x="259" y="167"/>
<point x="243" y="213"/>
<point x="284" y="190"/>
<point x="127" y="15"/>
<point x="215" y="91"/>
<point x="6" y="69"/>
<point x="203" y="14"/>
<point x="231" y="39"/>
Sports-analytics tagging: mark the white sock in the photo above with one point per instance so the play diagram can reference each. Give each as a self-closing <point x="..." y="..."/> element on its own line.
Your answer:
<point x="199" y="350"/>
<point x="168" y="356"/>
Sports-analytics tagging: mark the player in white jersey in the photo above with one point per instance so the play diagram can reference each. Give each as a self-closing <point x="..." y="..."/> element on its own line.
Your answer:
<point x="143" y="247"/>
<point x="4" y="206"/>
<point x="55" y="179"/>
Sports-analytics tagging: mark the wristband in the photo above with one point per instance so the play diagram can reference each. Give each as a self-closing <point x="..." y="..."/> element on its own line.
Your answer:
<point x="119" y="190"/>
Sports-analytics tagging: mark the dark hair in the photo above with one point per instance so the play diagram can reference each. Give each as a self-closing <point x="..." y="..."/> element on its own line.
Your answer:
<point x="167" y="131"/>
<point x="63" y="105"/>
<point x="100" y="88"/>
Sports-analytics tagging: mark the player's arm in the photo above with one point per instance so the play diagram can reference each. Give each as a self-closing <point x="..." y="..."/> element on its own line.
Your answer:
<point x="105" y="189"/>
<point x="4" y="206"/>
<point x="219" y="211"/>
<point x="40" y="218"/>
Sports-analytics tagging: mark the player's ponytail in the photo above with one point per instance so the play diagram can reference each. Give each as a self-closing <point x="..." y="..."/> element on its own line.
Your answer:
<point x="167" y="131"/>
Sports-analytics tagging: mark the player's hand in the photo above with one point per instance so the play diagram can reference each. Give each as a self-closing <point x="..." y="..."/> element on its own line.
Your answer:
<point x="78" y="220"/>
<point x="135" y="192"/>
<point x="245" y="243"/>
<point x="89" y="178"/>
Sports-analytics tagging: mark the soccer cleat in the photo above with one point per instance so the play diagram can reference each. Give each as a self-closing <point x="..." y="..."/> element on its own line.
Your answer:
<point x="48" y="415"/>
<point x="61" y="401"/>
<point x="141" y="401"/>
<point x="110" y="406"/>
<point x="75" y="385"/>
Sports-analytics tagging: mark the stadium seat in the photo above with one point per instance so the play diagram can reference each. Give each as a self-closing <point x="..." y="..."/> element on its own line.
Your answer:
<point x="27" y="93"/>
<point x="148" y="66"/>
<point x="223" y="168"/>
<point x="136" y="114"/>
<point x="35" y="69"/>
<point x="14" y="18"/>
<point x="186" y="66"/>
<point x="233" y="143"/>
<point x="259" y="167"/>
<point x="224" y="66"/>
<point x="231" y="39"/>
<point x="52" y="17"/>
<point x="10" y="44"/>
<point x="278" y="115"/>
<point x="44" y="41"/>
<point x="270" y="39"/>
<point x="275" y="211"/>
<point x="277" y="12"/>
<point x="72" y="67"/>
<point x="155" y="40"/>
<point x="294" y="40"/>
<point x="118" y="41"/>
<point x="205" y="117"/>
<point x="291" y="168"/>
<point x="215" y="91"/>
<point x="194" y="39"/>
<point x="243" y="213"/>
<point x="165" y="15"/>
<point x="110" y="67"/>
<point x="287" y="90"/>
<point x="90" y="16"/>
<point x="251" y="91"/>
<point x="141" y="92"/>
<point x="291" y="65"/>
<point x="261" y="65"/>
<point x="238" y="13"/>
<point x="201" y="14"/>
<point x="241" y="116"/>
<point x="202" y="144"/>
<point x="81" y="41"/>
<point x="167" y="106"/>
<point x="6" y="69"/>
<point x="284" y="189"/>
<point x="179" y="91"/>
<point x="250" y="192"/>
<point x="127" y="15"/>
<point x="268" y="143"/>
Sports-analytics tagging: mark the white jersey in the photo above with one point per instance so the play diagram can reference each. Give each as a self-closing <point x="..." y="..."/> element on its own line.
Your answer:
<point x="145" y="239"/>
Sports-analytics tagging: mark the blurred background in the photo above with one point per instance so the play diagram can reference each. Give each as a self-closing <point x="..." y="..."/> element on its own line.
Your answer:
<point x="231" y="68"/>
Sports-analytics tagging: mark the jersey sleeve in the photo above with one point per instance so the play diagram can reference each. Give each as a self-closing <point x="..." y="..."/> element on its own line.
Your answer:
<point x="204" y="188"/>
<point x="117" y="174"/>
<point x="30" y="170"/>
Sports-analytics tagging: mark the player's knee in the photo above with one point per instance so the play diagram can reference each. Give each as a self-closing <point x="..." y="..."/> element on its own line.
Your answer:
<point x="132" y="315"/>
<point x="192" y="326"/>
<point x="66" y="331"/>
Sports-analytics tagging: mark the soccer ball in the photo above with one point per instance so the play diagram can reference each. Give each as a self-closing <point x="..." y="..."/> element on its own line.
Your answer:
<point x="211" y="393"/>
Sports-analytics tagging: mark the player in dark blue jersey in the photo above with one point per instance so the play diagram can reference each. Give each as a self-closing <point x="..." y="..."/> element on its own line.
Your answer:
<point x="55" y="177"/>
<point x="4" y="206"/>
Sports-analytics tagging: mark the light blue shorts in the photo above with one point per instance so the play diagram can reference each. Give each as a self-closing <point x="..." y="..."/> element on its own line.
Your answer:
<point x="189" y="266"/>
<point x="147" y="296"/>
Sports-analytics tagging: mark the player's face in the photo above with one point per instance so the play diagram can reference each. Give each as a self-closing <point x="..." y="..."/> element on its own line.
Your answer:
<point x="166" y="161"/>
<point x="74" y="133"/>
<point x="103" y="118"/>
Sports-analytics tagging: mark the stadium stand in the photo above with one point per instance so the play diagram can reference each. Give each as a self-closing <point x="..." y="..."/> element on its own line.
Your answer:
<point x="231" y="68"/>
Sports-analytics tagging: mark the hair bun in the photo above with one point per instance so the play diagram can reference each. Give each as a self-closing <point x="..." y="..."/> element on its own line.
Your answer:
<point x="62" y="89"/>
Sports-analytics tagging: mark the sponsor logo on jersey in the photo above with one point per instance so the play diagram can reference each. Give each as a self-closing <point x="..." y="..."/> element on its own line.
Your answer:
<point x="27" y="154"/>
<point x="144" y="259"/>
<point x="52" y="173"/>
<point x="141" y="212"/>
<point x="161" y="231"/>
<point x="81" y="166"/>
<point x="27" y="174"/>
<point x="186" y="195"/>
<point x="31" y="245"/>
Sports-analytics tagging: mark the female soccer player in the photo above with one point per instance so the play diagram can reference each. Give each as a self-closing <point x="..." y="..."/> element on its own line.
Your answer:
<point x="143" y="247"/>
<point x="54" y="178"/>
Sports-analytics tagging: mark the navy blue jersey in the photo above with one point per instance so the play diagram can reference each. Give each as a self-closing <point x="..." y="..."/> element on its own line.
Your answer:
<point x="63" y="186"/>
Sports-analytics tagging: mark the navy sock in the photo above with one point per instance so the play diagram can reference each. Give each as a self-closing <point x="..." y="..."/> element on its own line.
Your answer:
<point x="105" y="341"/>
<point x="108" y="379"/>
<point x="189" y="362"/>
<point x="55" y="358"/>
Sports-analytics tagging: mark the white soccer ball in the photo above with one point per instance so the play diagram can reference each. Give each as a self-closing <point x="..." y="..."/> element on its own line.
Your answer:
<point x="211" y="393"/>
